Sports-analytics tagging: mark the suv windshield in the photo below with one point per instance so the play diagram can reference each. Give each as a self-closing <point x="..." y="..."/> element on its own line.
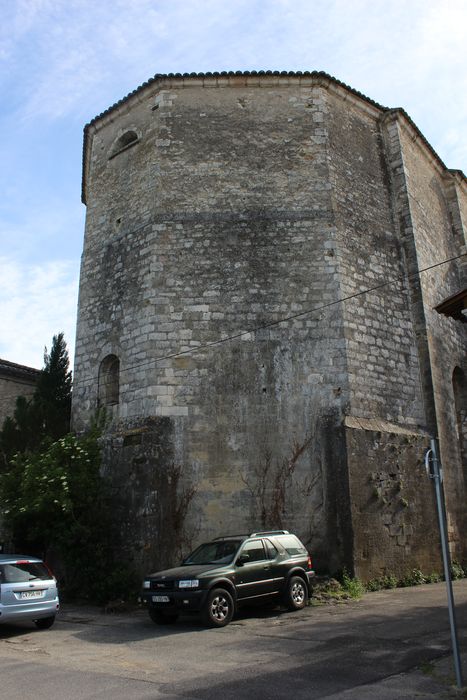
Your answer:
<point x="221" y="552"/>
<point x="20" y="572"/>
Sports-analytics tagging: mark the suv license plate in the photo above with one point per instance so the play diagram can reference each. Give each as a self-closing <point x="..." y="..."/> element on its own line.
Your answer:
<point x="30" y="594"/>
<point x="160" y="599"/>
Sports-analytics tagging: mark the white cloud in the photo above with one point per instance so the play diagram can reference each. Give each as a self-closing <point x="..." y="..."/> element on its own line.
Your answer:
<point x="36" y="303"/>
<point x="64" y="61"/>
<point x="85" y="55"/>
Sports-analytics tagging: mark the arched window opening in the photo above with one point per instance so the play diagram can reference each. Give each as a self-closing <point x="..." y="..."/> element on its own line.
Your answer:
<point x="129" y="138"/>
<point x="109" y="381"/>
<point x="459" y="382"/>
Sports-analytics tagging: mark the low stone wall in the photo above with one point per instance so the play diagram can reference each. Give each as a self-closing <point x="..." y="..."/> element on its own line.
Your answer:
<point x="394" y="517"/>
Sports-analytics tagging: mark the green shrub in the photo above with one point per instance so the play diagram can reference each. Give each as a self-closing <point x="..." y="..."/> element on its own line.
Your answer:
<point x="457" y="571"/>
<point x="384" y="582"/>
<point x="413" y="578"/>
<point x="373" y="585"/>
<point x="353" y="586"/>
<point x="389" y="581"/>
<point x="56" y="504"/>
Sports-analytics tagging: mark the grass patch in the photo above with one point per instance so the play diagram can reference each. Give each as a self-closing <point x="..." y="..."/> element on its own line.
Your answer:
<point x="328" y="590"/>
<point x="428" y="668"/>
<point x="353" y="586"/>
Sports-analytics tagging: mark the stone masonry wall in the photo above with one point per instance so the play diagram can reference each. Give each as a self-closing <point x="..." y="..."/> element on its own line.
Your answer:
<point x="436" y="201"/>
<point x="221" y="247"/>
<point x="219" y="221"/>
<point x="382" y="356"/>
<point x="393" y="507"/>
<point x="10" y="388"/>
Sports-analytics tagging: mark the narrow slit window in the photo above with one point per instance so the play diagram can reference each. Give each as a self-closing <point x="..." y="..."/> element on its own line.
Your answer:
<point x="109" y="381"/>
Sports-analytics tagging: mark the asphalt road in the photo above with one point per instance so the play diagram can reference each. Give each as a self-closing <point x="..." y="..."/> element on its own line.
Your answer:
<point x="364" y="649"/>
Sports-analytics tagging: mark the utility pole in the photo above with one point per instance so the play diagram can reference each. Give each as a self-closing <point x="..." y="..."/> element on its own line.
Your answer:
<point x="435" y="472"/>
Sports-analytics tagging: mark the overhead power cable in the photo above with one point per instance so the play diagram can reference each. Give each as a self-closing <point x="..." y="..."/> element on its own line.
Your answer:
<point x="285" y="319"/>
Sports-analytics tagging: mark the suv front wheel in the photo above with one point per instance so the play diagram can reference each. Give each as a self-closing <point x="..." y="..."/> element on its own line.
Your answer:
<point x="219" y="608"/>
<point x="295" y="594"/>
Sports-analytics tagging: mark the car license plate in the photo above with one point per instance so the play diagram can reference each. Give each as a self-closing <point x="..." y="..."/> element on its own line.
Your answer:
<point x="160" y="599"/>
<point x="30" y="594"/>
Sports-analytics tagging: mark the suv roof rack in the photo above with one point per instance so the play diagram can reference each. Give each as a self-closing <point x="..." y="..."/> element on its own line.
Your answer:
<point x="270" y="532"/>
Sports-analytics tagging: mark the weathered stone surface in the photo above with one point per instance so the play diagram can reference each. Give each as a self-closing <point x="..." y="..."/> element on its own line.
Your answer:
<point x="249" y="258"/>
<point x="15" y="380"/>
<point x="392" y="503"/>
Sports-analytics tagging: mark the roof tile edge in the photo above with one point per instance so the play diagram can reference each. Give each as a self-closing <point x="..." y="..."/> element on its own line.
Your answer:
<point x="317" y="75"/>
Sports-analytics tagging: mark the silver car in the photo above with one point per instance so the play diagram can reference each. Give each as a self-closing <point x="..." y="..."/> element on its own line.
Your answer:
<point x="28" y="591"/>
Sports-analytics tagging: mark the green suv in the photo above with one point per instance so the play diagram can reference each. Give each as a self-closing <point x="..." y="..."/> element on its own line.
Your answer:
<point x="220" y="576"/>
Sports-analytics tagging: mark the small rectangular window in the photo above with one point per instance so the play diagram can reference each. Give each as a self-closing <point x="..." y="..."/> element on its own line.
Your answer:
<point x="270" y="549"/>
<point x="292" y="545"/>
<point x="255" y="550"/>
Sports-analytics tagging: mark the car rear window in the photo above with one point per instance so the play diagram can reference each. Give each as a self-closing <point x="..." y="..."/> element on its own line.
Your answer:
<point x="20" y="572"/>
<point x="292" y="545"/>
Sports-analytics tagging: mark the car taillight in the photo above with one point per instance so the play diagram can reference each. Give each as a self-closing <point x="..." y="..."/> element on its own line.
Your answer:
<point x="309" y="563"/>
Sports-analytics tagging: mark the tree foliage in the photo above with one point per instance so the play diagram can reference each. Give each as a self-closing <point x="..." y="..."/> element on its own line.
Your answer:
<point x="53" y="501"/>
<point x="46" y="416"/>
<point x="52" y="398"/>
<point x="50" y="495"/>
<point x="56" y="505"/>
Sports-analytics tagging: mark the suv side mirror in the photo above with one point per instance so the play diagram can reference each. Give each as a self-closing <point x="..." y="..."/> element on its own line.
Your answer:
<point x="243" y="559"/>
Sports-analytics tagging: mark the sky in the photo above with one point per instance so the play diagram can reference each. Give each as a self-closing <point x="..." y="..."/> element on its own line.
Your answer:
<point x="62" y="62"/>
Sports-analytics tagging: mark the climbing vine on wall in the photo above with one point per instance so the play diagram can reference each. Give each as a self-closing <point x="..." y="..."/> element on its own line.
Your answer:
<point x="271" y="485"/>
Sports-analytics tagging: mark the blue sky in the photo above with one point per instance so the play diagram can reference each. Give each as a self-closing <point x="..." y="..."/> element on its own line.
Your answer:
<point x="62" y="62"/>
